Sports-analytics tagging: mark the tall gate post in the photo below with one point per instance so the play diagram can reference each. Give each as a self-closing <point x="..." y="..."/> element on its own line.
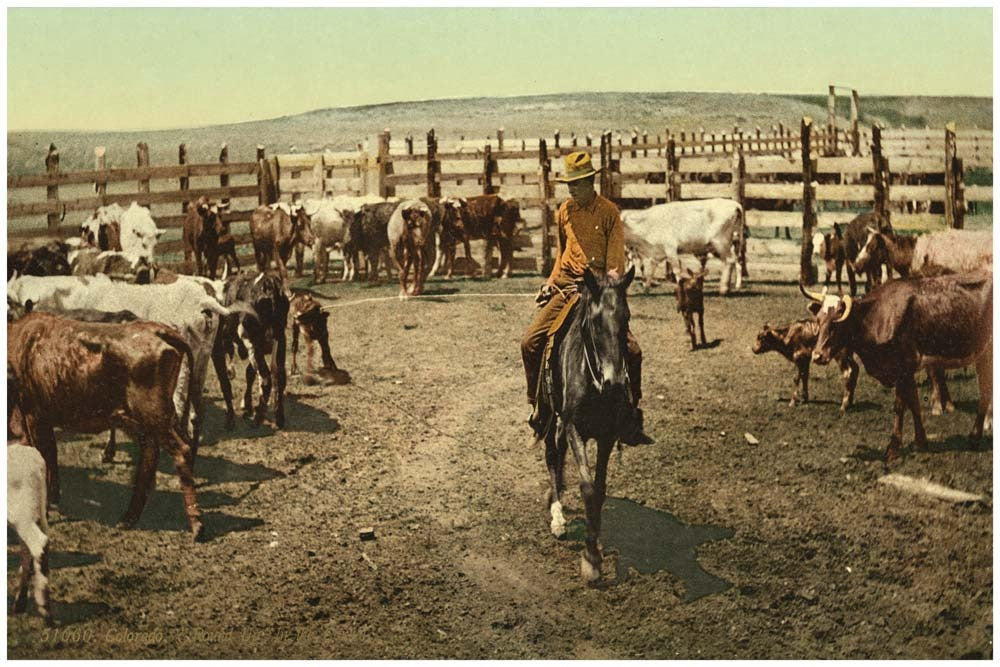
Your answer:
<point x="807" y="273"/>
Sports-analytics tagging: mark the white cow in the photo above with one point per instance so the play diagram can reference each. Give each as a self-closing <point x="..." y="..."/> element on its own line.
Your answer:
<point x="137" y="232"/>
<point x="701" y="227"/>
<point x="26" y="514"/>
<point x="184" y="305"/>
<point x="330" y="218"/>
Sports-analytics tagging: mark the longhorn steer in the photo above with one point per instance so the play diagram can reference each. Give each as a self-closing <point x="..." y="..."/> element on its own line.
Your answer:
<point x="184" y="305"/>
<point x="409" y="231"/>
<point x="207" y="236"/>
<point x="952" y="250"/>
<point x="904" y="325"/>
<point x="256" y="334"/>
<point x="309" y="318"/>
<point x="796" y="342"/>
<point x="702" y="227"/>
<point x="89" y="377"/>
<point x="276" y="230"/>
<point x="493" y="219"/>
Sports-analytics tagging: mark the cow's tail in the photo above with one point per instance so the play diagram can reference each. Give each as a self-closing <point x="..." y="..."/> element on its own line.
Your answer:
<point x="179" y="343"/>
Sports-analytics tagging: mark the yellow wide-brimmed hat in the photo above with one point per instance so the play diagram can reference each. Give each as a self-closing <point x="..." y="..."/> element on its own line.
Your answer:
<point x="578" y="165"/>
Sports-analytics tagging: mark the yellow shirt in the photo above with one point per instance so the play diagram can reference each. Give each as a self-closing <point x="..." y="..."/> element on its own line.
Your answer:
<point x="592" y="236"/>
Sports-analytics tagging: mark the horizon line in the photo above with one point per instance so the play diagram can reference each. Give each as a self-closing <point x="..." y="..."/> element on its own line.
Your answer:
<point x="477" y="97"/>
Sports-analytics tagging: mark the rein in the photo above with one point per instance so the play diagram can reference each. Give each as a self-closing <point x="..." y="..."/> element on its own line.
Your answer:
<point x="587" y="338"/>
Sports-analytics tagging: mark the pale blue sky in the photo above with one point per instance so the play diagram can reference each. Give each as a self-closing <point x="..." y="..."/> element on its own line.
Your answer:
<point x="157" y="68"/>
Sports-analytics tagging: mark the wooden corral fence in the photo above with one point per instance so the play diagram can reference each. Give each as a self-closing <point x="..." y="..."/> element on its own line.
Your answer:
<point x="843" y="171"/>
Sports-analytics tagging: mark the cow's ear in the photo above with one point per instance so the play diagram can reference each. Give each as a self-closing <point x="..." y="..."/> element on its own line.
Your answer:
<point x="29" y="305"/>
<point x="814" y="307"/>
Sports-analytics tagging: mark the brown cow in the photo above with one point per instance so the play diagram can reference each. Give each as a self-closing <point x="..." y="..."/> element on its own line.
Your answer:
<point x="207" y="234"/>
<point x="833" y="252"/>
<point x="491" y="218"/>
<point x="904" y="325"/>
<point x="276" y="230"/>
<point x="309" y="318"/>
<point x="90" y="377"/>
<point x="795" y="342"/>
<point x="691" y="302"/>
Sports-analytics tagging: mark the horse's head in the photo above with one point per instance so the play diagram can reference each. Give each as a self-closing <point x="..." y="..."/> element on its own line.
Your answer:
<point x="605" y="321"/>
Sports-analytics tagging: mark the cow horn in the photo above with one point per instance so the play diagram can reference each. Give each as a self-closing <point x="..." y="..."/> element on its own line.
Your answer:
<point x="818" y="298"/>
<point x="847" y="310"/>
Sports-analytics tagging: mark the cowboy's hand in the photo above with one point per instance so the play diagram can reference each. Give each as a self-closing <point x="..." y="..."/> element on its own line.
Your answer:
<point x="545" y="293"/>
<point x="613" y="275"/>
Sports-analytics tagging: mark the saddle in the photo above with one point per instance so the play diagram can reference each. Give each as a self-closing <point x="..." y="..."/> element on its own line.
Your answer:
<point x="556" y="333"/>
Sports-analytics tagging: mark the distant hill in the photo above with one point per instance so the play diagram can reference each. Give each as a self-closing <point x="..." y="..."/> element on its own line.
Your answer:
<point x="530" y="116"/>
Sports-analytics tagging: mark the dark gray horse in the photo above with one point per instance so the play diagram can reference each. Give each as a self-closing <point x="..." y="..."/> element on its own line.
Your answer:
<point x="590" y="399"/>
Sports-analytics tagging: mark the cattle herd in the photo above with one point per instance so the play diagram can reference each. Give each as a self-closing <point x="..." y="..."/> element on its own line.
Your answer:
<point x="102" y="339"/>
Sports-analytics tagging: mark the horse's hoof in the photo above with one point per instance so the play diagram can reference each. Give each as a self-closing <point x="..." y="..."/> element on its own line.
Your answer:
<point x="197" y="531"/>
<point x="127" y="522"/>
<point x="920" y="445"/>
<point x="109" y="457"/>
<point x="230" y="422"/>
<point x="588" y="571"/>
<point x="279" y="421"/>
<point x="558" y="524"/>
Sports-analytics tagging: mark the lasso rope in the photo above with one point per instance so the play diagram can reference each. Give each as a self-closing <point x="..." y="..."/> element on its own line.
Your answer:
<point x="428" y="296"/>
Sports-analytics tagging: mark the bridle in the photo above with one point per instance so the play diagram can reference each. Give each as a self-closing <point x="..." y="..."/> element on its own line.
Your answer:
<point x="590" y="350"/>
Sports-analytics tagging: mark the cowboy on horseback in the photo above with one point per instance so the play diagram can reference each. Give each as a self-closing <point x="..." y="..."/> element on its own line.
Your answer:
<point x="590" y="235"/>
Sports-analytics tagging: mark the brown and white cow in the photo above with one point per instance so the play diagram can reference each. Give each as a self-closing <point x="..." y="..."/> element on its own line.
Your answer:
<point x="904" y="325"/>
<point x="276" y="230"/>
<point x="89" y="377"/>
<point x="206" y="235"/>
<point x="795" y="342"/>
<point x="409" y="232"/>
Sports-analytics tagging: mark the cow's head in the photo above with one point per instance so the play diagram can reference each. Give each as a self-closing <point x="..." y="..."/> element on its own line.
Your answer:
<point x="139" y="232"/>
<point x="833" y="314"/>
<point x="309" y="316"/>
<point x="211" y="216"/>
<point x="767" y="340"/>
<point x="689" y="287"/>
<point x="417" y="220"/>
<point x="301" y="225"/>
<point x="873" y="253"/>
<point x="456" y="212"/>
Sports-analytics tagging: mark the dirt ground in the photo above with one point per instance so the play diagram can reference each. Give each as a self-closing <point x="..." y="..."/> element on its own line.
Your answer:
<point x="428" y="446"/>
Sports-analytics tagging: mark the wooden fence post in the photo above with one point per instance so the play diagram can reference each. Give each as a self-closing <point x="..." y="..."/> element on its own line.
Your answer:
<point x="100" y="164"/>
<point x="645" y="141"/>
<point x="957" y="175"/>
<point x="880" y="179"/>
<point x="673" y="176"/>
<point x="52" y="191"/>
<point x="949" y="174"/>
<point x="224" y="178"/>
<point x="556" y="144"/>
<point x="433" y="166"/>
<point x="807" y="273"/>
<point x="855" y="133"/>
<point x="831" y="122"/>
<point x="142" y="161"/>
<point x="739" y="171"/>
<point x="590" y="140"/>
<point x="267" y="188"/>
<point x="384" y="165"/>
<point x="605" y="167"/>
<point x="489" y="168"/>
<point x="409" y="144"/>
<point x="635" y="140"/>
<point x="545" y="191"/>
<point x="500" y="139"/>
<point x="572" y="139"/>
<point x="182" y="158"/>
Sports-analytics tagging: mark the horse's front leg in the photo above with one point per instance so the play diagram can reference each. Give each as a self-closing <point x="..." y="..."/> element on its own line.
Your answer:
<point x="555" y="459"/>
<point x="590" y="561"/>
